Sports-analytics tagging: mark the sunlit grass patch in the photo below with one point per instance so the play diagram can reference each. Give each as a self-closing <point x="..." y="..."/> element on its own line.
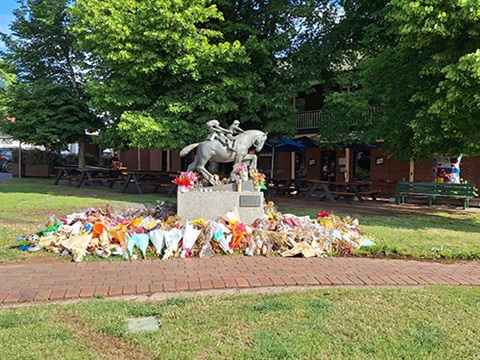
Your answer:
<point x="385" y="323"/>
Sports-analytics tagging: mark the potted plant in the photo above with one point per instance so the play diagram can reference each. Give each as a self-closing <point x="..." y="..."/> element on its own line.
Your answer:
<point x="39" y="163"/>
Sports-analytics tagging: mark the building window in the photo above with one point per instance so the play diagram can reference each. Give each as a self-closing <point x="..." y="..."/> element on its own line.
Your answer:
<point x="299" y="104"/>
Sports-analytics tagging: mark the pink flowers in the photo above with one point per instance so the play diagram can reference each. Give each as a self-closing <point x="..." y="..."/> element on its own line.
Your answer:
<point x="185" y="181"/>
<point x="241" y="171"/>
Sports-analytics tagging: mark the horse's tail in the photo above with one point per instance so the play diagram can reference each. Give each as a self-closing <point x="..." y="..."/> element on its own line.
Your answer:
<point x="187" y="149"/>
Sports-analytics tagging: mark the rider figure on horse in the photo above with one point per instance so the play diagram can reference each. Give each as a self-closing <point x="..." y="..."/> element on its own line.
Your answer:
<point x="234" y="129"/>
<point x="225" y="136"/>
<point x="216" y="132"/>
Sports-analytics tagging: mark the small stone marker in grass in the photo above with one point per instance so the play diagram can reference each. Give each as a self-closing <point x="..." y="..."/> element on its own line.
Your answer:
<point x="150" y="323"/>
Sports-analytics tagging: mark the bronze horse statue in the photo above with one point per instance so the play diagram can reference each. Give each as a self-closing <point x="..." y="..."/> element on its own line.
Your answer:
<point x="216" y="150"/>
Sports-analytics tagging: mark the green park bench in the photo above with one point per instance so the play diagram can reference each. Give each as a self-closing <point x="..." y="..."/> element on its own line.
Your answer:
<point x="433" y="190"/>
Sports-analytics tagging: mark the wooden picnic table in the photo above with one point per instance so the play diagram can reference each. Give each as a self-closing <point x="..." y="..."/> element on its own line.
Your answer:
<point x="91" y="175"/>
<point x="280" y="186"/>
<point x="333" y="190"/>
<point x="302" y="187"/>
<point x="363" y="189"/>
<point x="342" y="190"/>
<point x="157" y="179"/>
<point x="68" y="173"/>
<point x="314" y="187"/>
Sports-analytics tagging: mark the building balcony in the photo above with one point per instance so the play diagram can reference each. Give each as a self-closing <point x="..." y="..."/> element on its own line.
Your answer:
<point x="308" y="121"/>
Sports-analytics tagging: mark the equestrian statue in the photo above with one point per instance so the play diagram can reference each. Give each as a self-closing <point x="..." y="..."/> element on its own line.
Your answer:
<point x="225" y="146"/>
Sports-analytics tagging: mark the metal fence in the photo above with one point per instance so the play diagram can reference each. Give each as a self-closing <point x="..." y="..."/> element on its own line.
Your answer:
<point x="310" y="120"/>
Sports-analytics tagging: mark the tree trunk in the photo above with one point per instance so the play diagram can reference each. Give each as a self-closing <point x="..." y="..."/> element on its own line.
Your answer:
<point x="81" y="153"/>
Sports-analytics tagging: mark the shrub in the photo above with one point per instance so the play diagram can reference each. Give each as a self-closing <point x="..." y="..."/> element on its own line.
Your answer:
<point x="36" y="157"/>
<point x="41" y="157"/>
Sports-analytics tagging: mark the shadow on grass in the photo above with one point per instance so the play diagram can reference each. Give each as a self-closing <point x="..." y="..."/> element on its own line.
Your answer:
<point x="43" y="186"/>
<point x="369" y="213"/>
<point x="372" y="214"/>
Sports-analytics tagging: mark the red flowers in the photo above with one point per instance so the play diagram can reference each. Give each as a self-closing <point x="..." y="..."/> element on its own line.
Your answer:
<point x="185" y="181"/>
<point x="322" y="214"/>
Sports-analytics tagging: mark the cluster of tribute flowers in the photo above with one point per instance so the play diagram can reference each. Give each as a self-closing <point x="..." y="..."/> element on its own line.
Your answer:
<point x="157" y="232"/>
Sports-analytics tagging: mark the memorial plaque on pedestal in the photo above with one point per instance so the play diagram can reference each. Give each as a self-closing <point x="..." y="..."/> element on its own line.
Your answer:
<point x="211" y="204"/>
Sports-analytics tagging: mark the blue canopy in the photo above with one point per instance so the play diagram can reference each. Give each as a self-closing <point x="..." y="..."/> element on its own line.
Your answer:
<point x="307" y="141"/>
<point x="284" y="144"/>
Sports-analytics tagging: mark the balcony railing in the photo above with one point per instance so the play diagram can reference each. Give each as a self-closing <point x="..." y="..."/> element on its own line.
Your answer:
<point x="310" y="120"/>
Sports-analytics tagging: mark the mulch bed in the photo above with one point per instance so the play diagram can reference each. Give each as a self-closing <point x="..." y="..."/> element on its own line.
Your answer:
<point x="381" y="207"/>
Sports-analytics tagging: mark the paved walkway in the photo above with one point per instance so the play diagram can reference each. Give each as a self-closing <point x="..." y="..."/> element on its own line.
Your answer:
<point x="5" y="176"/>
<point x="59" y="281"/>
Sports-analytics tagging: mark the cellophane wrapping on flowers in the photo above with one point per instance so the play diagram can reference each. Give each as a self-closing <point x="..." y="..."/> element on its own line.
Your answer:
<point x="138" y="230"/>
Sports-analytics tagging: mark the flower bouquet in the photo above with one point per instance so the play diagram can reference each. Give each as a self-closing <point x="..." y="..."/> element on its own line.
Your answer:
<point x="172" y="238"/>
<point x="190" y="236"/>
<point x="185" y="181"/>
<point x="157" y="238"/>
<point x="241" y="171"/>
<point x="258" y="180"/>
<point x="28" y="242"/>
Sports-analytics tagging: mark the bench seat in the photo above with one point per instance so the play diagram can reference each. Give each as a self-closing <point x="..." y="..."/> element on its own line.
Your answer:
<point x="370" y="192"/>
<point x="279" y="189"/>
<point x="432" y="190"/>
<point x="111" y="180"/>
<point x="106" y="179"/>
<point x="343" y="193"/>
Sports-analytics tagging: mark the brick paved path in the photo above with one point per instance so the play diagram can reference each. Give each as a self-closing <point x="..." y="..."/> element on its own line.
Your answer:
<point x="61" y="281"/>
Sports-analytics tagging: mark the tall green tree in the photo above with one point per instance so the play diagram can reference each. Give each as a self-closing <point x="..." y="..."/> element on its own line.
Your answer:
<point x="48" y="100"/>
<point x="277" y="36"/>
<point x="418" y="62"/>
<point x="46" y="114"/>
<point x="7" y="78"/>
<point x="158" y="72"/>
<point x="162" y="68"/>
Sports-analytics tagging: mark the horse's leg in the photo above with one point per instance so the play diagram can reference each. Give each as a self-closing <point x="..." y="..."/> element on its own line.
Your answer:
<point x="193" y="165"/>
<point x="204" y="172"/>
<point x="253" y="161"/>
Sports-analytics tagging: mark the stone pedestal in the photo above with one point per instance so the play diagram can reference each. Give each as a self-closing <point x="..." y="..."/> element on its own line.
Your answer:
<point x="211" y="203"/>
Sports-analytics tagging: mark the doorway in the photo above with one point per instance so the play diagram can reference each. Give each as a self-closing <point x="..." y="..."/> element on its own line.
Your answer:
<point x="164" y="160"/>
<point x="328" y="165"/>
<point x="300" y="168"/>
<point x="361" y="169"/>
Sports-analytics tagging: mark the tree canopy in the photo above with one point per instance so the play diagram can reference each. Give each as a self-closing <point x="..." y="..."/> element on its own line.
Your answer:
<point x="154" y="72"/>
<point x="47" y="100"/>
<point x="418" y="62"/>
<point x="277" y="37"/>
<point x="46" y="114"/>
<point x="157" y="71"/>
<point x="7" y="78"/>
<point x="163" y="68"/>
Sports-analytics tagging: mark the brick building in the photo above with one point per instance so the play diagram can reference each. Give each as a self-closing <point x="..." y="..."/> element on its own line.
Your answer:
<point x="351" y="162"/>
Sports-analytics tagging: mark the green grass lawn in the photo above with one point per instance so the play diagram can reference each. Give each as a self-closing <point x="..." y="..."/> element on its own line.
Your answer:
<point x="359" y="323"/>
<point x="27" y="203"/>
<point x="400" y="323"/>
